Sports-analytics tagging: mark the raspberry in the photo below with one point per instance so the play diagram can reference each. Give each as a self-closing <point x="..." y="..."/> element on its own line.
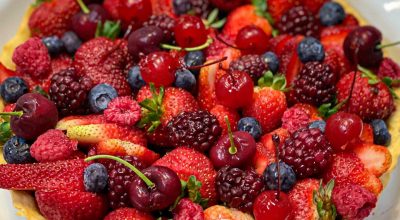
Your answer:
<point x="251" y="64"/>
<point x="294" y="118"/>
<point x="353" y="201"/>
<point x="69" y="92"/>
<point x="165" y="23"/>
<point x="307" y="151"/>
<point x="389" y="68"/>
<point x="186" y="209"/>
<point x="238" y="188"/>
<point x="198" y="129"/>
<point x="52" y="146"/>
<point x="299" y="20"/>
<point x="32" y="58"/>
<point x="123" y="111"/>
<point x="315" y="84"/>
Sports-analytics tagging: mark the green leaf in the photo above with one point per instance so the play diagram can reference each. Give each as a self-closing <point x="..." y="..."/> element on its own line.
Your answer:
<point x="218" y="24"/>
<point x="152" y="109"/>
<point x="37" y="3"/>
<point x="193" y="187"/>
<point x="212" y="16"/>
<point x="109" y="29"/>
<point x="261" y="10"/>
<point x="322" y="200"/>
<point x="266" y="80"/>
<point x="39" y="90"/>
<point x="372" y="78"/>
<point x="5" y="132"/>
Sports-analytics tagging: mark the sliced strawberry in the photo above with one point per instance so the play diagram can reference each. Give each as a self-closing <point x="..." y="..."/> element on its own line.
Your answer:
<point x="376" y="159"/>
<point x="66" y="175"/>
<point x="71" y="121"/>
<point x="367" y="135"/>
<point x="302" y="200"/>
<point x="221" y="112"/>
<point x="334" y="36"/>
<point x="207" y="78"/>
<point x="290" y="63"/>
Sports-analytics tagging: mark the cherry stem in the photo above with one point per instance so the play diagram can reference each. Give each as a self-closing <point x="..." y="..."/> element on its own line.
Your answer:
<point x="226" y="43"/>
<point x="232" y="148"/>
<point x="276" y="140"/>
<point x="381" y="46"/>
<point x="148" y="182"/>
<point x="18" y="113"/>
<point x="200" y="47"/>
<point x="207" y="64"/>
<point x="84" y="8"/>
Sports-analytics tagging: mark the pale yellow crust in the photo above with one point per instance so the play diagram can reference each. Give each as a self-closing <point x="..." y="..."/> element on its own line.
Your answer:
<point x="25" y="202"/>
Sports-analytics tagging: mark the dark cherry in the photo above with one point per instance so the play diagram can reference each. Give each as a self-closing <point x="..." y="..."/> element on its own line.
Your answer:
<point x="361" y="46"/>
<point x="190" y="31"/>
<point x="268" y="205"/>
<point x="235" y="89"/>
<point x="145" y="40"/>
<point x="252" y="40"/>
<point x="228" y="5"/>
<point x="159" y="68"/>
<point x="134" y="13"/>
<point x="166" y="189"/>
<point x="85" y="22"/>
<point x="39" y="114"/>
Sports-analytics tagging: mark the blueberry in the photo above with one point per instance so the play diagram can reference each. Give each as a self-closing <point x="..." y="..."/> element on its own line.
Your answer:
<point x="100" y="96"/>
<point x="95" y="178"/>
<point x="181" y="6"/>
<point x="310" y="49"/>
<point x="250" y="125"/>
<point x="135" y="80"/>
<point x="16" y="150"/>
<point x="185" y="79"/>
<point x="12" y="88"/>
<point x="381" y="133"/>
<point x="287" y="176"/>
<point x="320" y="124"/>
<point x="271" y="60"/>
<point x="331" y="13"/>
<point x="54" y="45"/>
<point x="71" y="42"/>
<point x="194" y="58"/>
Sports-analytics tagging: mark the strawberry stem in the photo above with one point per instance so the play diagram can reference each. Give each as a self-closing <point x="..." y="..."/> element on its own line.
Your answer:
<point x="84" y="8"/>
<point x="200" y="47"/>
<point x="381" y="46"/>
<point x="148" y="182"/>
<point x="18" y="113"/>
<point x="276" y="140"/>
<point x="232" y="148"/>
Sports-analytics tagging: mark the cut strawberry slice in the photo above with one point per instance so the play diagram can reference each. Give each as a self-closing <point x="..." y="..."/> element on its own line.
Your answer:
<point x="376" y="159"/>
<point x="71" y="121"/>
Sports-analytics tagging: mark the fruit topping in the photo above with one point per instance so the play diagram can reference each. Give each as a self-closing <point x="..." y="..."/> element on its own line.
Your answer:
<point x="251" y="40"/>
<point x="123" y="111"/>
<point x="381" y="133"/>
<point x="144" y="41"/>
<point x="190" y="31"/>
<point x="158" y="68"/>
<point x="165" y="23"/>
<point x="310" y="49"/>
<point x="250" y="125"/>
<point x="16" y="151"/>
<point x="100" y="96"/>
<point x="186" y="80"/>
<point x="271" y="60"/>
<point x="12" y="88"/>
<point x="298" y="20"/>
<point x="253" y="65"/>
<point x="95" y="178"/>
<point x="186" y="209"/>
<point x="287" y="177"/>
<point x="269" y="205"/>
<point x="71" y="42"/>
<point x="331" y="13"/>
<point x="135" y="79"/>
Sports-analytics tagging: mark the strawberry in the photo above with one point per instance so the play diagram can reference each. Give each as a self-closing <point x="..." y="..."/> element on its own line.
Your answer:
<point x="187" y="209"/>
<point x="130" y="13"/>
<point x="369" y="100"/>
<point x="208" y="76"/>
<point x="71" y="205"/>
<point x="128" y="213"/>
<point x="219" y="212"/>
<point x="66" y="175"/>
<point x="313" y="5"/>
<point x="290" y="63"/>
<point x="279" y="7"/>
<point x="5" y="73"/>
<point x="163" y="7"/>
<point x="218" y="49"/>
<point x="350" y="20"/>
<point x="71" y="121"/>
<point x="52" y="17"/>
<point x="94" y="133"/>
<point x="367" y="135"/>
<point x="220" y="112"/>
<point x="389" y="68"/>
<point x="376" y="159"/>
<point x="125" y="148"/>
<point x="105" y="61"/>
<point x="186" y="162"/>
<point x="301" y="199"/>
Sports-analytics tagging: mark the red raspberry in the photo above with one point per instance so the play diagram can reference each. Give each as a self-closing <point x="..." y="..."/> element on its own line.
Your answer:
<point x="295" y="118"/>
<point x="186" y="209"/>
<point x="52" y="146"/>
<point x="123" y="111"/>
<point x="32" y="58"/>
<point x="389" y="68"/>
<point x="353" y="201"/>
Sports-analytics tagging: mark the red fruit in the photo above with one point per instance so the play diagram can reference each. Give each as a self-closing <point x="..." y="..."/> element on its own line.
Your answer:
<point x="227" y="5"/>
<point x="129" y="12"/>
<point x="268" y="206"/>
<point x="9" y="107"/>
<point x="65" y="175"/>
<point x="220" y="111"/>
<point x="123" y="111"/>
<point x="339" y="64"/>
<point x="52" y="18"/>
<point x="128" y="213"/>
<point x="207" y="79"/>
<point x="52" y="146"/>
<point x="311" y="111"/>
<point x="190" y="31"/>
<point x="299" y="20"/>
<point x="295" y="118"/>
<point x="389" y="68"/>
<point x="186" y="162"/>
<point x="159" y="137"/>
<point x="301" y="199"/>
<point x="376" y="159"/>
<point x="252" y="40"/>
<point x="217" y="49"/>
<point x="71" y="205"/>
<point x="219" y="212"/>
<point x="158" y="68"/>
<point x="85" y="24"/>
<point x="367" y="135"/>
<point x="313" y="5"/>
<point x="290" y="63"/>
<point x="186" y="209"/>
<point x="279" y="7"/>
<point x="58" y="63"/>
<point x="350" y="20"/>
<point x="32" y="58"/>
<point x="71" y="121"/>
<point x="252" y="64"/>
<point x="5" y="73"/>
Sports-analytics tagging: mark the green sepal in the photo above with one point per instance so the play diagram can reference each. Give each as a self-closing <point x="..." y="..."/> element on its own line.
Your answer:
<point x="191" y="190"/>
<point x="327" y="109"/>
<point x="372" y="78"/>
<point x="109" y="29"/>
<point x="322" y="199"/>
<point x="389" y="82"/>
<point x="5" y="132"/>
<point x="262" y="10"/>
<point x="40" y="90"/>
<point x="152" y="109"/>
<point x="182" y="195"/>
<point x="37" y="3"/>
<point x="277" y="82"/>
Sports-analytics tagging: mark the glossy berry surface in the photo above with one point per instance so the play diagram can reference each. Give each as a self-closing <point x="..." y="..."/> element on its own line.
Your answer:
<point x="234" y="89"/>
<point x="268" y="206"/>
<point x="165" y="22"/>
<point x="12" y="88"/>
<point x="100" y="96"/>
<point x="251" y="64"/>
<point x="124" y="111"/>
<point x="85" y="24"/>
<point x="135" y="79"/>
<point x="252" y="40"/>
<point x="145" y="40"/>
<point x="287" y="177"/>
<point x="310" y="49"/>
<point x="250" y="125"/>
<point x="381" y="132"/>
<point x="17" y="151"/>
<point x="95" y="178"/>
<point x="71" y="42"/>
<point x="272" y="61"/>
<point x="194" y="58"/>
<point x="320" y="124"/>
<point x="158" y="68"/>
<point x="190" y="31"/>
<point x="347" y="126"/>
<point x="331" y="13"/>
<point x="185" y="79"/>
<point x="54" y="45"/>
<point x="134" y="12"/>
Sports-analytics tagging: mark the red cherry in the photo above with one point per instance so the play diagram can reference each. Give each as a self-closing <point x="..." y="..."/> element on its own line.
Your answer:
<point x="190" y="31"/>
<point x="252" y="40"/>
<point x="268" y="206"/>
<point x="343" y="128"/>
<point x="85" y="24"/>
<point x="235" y="89"/>
<point x="134" y="12"/>
<point x="158" y="68"/>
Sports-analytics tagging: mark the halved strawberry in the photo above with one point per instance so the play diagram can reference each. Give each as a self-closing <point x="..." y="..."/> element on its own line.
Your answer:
<point x="71" y="121"/>
<point x="207" y="78"/>
<point x="302" y="200"/>
<point x="220" y="112"/>
<point x="376" y="159"/>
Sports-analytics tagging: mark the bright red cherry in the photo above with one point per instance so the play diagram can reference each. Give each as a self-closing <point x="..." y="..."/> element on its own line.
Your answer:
<point x="158" y="68"/>
<point x="343" y="128"/>
<point x="268" y="206"/>
<point x="131" y="12"/>
<point x="190" y="31"/>
<point x="235" y="89"/>
<point x="85" y="23"/>
<point x="252" y="40"/>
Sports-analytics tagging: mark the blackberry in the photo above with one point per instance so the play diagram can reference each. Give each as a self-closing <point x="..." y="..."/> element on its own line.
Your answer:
<point x="315" y="84"/>
<point x="251" y="64"/>
<point x="69" y="92"/>
<point x="200" y="7"/>
<point x="198" y="129"/>
<point x="238" y="188"/>
<point x="165" y="23"/>
<point x="307" y="151"/>
<point x="299" y="20"/>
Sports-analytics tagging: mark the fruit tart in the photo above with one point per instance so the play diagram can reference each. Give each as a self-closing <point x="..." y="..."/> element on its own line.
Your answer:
<point x="197" y="109"/>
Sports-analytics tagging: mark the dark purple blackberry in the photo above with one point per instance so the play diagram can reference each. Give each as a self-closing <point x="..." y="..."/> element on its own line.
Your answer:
<point x="238" y="188"/>
<point x="250" y="64"/>
<point x="165" y="23"/>
<point x="315" y="84"/>
<point x="119" y="179"/>
<point x="200" y="7"/>
<point x="299" y="20"/>
<point x="69" y="92"/>
<point x="307" y="151"/>
<point x="198" y="129"/>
